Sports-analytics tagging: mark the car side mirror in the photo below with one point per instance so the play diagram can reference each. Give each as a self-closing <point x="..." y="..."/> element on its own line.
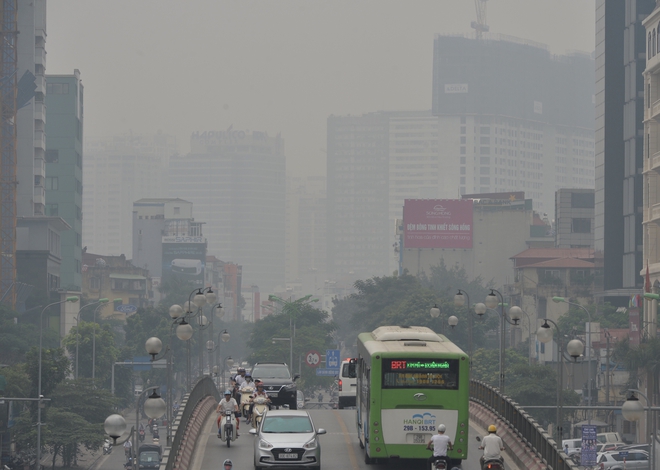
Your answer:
<point x="320" y="431"/>
<point x="253" y="431"/>
<point x="296" y="377"/>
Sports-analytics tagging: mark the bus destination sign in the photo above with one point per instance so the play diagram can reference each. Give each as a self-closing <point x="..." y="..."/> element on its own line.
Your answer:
<point x="424" y="365"/>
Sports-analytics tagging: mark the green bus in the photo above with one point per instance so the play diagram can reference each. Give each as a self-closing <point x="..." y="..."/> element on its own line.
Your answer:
<point x="410" y="380"/>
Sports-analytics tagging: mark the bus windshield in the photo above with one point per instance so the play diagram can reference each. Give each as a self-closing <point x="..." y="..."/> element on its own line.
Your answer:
<point x="421" y="373"/>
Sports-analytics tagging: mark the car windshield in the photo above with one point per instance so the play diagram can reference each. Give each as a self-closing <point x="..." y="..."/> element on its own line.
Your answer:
<point x="286" y="424"/>
<point x="271" y="372"/>
<point x="146" y="457"/>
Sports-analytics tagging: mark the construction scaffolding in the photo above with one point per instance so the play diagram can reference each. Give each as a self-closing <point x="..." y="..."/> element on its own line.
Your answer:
<point x="8" y="90"/>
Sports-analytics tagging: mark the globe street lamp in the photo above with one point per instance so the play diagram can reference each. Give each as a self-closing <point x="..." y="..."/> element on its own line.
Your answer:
<point x="562" y="299"/>
<point x="211" y="347"/>
<point x="115" y="425"/>
<point x="435" y="313"/>
<point x="491" y="303"/>
<point x="459" y="301"/>
<point x="575" y="348"/>
<point x="228" y="362"/>
<point x="103" y="300"/>
<point x="633" y="410"/>
<point x="39" y="396"/>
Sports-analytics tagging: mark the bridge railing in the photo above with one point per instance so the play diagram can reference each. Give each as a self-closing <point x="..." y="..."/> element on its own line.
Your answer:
<point x="204" y="387"/>
<point x="526" y="427"/>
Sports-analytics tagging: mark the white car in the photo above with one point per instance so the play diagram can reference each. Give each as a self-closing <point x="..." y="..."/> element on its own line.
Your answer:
<point x="634" y="459"/>
<point x="347" y="383"/>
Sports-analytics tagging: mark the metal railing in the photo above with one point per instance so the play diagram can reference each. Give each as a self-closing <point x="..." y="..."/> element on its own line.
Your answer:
<point x="525" y="427"/>
<point x="204" y="387"/>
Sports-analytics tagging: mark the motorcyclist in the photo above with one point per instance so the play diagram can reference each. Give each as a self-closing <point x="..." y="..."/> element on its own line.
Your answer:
<point x="240" y="377"/>
<point x="248" y="386"/>
<point x="492" y="446"/>
<point x="441" y="443"/>
<point x="227" y="464"/>
<point x="259" y="392"/>
<point x="128" y="445"/>
<point x="227" y="404"/>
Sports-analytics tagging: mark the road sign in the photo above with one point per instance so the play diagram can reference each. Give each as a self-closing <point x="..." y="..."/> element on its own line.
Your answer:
<point x="313" y="359"/>
<point x="332" y="359"/>
<point x="327" y="372"/>
<point x="588" y="453"/>
<point x="623" y="453"/>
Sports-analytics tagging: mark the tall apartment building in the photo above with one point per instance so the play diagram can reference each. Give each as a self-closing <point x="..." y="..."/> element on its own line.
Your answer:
<point x="574" y="218"/>
<point x="31" y="115"/>
<point x="358" y="244"/>
<point x="236" y="181"/>
<point x="64" y="173"/>
<point x="306" y="233"/>
<point x="118" y="171"/>
<point x="620" y="60"/>
<point x="524" y="117"/>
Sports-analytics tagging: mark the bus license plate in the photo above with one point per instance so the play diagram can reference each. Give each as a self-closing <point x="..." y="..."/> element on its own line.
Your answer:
<point x="288" y="456"/>
<point x="419" y="438"/>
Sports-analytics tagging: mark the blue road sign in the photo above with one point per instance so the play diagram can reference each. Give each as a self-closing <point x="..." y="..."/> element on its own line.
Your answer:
<point x="332" y="358"/>
<point x="327" y="372"/>
<point x="623" y="453"/>
<point x="145" y="363"/>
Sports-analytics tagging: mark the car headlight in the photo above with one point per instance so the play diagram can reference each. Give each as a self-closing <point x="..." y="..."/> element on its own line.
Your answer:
<point x="265" y="444"/>
<point x="310" y="445"/>
<point x="290" y="387"/>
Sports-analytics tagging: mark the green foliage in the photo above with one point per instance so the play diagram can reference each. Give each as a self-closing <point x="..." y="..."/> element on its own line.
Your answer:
<point x="87" y="334"/>
<point x="486" y="365"/>
<point x="18" y="381"/>
<point x="313" y="331"/>
<point x="84" y="398"/>
<point x="54" y="368"/>
<point x="641" y="360"/>
<point x="576" y="318"/>
<point x="66" y="431"/>
<point x="16" y="338"/>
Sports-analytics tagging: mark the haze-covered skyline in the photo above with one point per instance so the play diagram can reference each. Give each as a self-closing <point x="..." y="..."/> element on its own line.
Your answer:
<point x="273" y="66"/>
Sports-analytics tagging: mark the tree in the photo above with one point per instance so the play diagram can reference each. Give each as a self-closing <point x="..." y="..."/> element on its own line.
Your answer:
<point x="16" y="337"/>
<point x="486" y="365"/>
<point x="54" y="368"/>
<point x="606" y="314"/>
<point x="66" y="431"/>
<point x="106" y="351"/>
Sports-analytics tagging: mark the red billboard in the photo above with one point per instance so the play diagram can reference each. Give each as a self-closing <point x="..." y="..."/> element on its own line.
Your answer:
<point x="437" y="223"/>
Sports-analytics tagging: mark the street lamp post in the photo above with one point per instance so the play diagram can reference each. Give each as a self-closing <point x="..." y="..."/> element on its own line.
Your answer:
<point x="115" y="425"/>
<point x="94" y="336"/>
<point x="633" y="410"/>
<point x="575" y="348"/>
<point x="562" y="299"/>
<point x="39" y="397"/>
<point x="211" y="347"/>
<point x="435" y="313"/>
<point x="103" y="300"/>
<point x="290" y="340"/>
<point x="226" y="364"/>
<point x="491" y="302"/>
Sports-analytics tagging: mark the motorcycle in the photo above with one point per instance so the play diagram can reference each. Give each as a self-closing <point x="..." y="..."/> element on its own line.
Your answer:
<point x="227" y="426"/>
<point x="491" y="464"/>
<point x="260" y="407"/>
<point x="246" y="396"/>
<point x="107" y="447"/>
<point x="141" y="435"/>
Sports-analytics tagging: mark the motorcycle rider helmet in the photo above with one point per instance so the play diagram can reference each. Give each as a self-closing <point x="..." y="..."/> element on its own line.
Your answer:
<point x="247" y="374"/>
<point x="442" y="428"/>
<point x="227" y="464"/>
<point x="241" y="369"/>
<point x="227" y="392"/>
<point x="492" y="428"/>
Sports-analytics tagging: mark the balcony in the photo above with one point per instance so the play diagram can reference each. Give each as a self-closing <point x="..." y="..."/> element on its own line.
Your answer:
<point x="655" y="111"/>
<point x="654" y="214"/>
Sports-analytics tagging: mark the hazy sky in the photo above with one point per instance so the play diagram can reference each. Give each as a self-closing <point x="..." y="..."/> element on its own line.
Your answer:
<point x="273" y="65"/>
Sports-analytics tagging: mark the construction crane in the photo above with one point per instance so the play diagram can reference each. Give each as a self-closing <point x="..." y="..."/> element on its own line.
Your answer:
<point x="8" y="90"/>
<point x="480" y="25"/>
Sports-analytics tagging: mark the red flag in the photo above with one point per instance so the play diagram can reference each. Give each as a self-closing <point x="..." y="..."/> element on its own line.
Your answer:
<point x="647" y="284"/>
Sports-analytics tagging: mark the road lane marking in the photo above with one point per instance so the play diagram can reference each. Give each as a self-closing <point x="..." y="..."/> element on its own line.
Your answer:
<point x="349" y="444"/>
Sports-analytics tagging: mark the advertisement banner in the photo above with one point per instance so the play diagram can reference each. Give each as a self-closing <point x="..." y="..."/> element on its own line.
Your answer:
<point x="184" y="263"/>
<point x="589" y="445"/>
<point x="437" y="223"/>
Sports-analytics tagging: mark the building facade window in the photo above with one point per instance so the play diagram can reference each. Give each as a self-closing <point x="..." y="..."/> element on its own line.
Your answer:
<point x="52" y="210"/>
<point x="581" y="226"/>
<point x="52" y="182"/>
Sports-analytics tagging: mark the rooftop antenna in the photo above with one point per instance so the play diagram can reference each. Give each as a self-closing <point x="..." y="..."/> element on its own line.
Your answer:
<point x="480" y="25"/>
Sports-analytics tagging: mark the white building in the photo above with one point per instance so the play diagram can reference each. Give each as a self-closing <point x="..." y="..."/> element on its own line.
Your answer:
<point x="118" y="171"/>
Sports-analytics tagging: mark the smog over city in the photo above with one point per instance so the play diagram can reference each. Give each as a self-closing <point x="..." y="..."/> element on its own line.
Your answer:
<point x="371" y="205"/>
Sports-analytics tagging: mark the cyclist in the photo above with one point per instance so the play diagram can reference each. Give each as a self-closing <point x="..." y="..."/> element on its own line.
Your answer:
<point x="441" y="443"/>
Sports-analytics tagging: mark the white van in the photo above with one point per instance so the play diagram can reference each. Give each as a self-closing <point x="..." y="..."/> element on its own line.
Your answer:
<point x="347" y="383"/>
<point x="608" y="437"/>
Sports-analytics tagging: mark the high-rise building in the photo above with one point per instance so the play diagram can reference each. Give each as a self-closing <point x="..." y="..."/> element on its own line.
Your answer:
<point x="574" y="218"/>
<point x="31" y="115"/>
<point x="524" y="117"/>
<point x="118" y="171"/>
<point x="236" y="181"/>
<point x="305" y="233"/>
<point x="358" y="246"/>
<point x="620" y="60"/>
<point x="64" y="174"/>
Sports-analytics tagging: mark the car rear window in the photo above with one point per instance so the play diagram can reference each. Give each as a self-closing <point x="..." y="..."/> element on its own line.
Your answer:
<point x="271" y="372"/>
